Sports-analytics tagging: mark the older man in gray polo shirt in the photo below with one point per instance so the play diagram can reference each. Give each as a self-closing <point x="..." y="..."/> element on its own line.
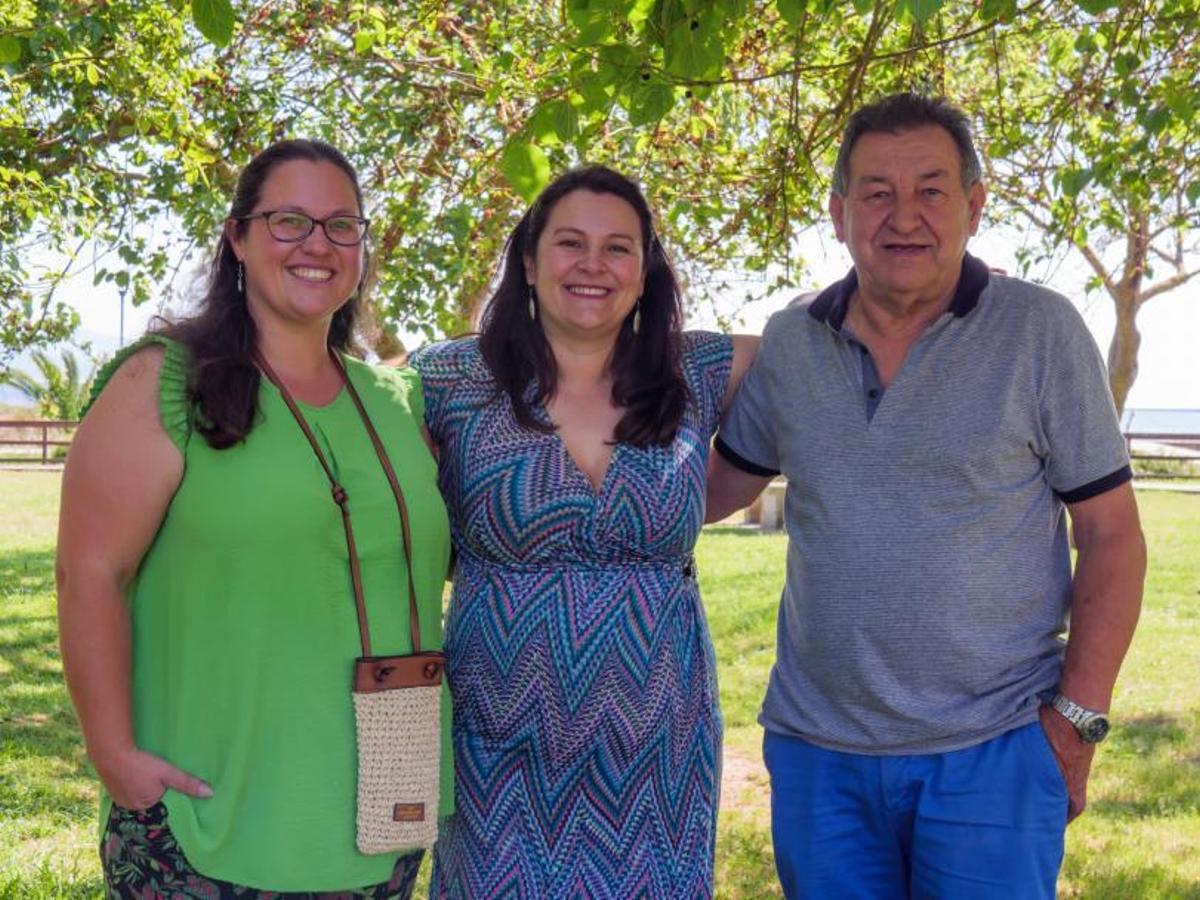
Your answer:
<point x="928" y="730"/>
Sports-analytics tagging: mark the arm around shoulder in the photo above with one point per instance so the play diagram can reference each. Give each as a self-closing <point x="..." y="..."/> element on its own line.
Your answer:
<point x="121" y="473"/>
<point x="733" y="482"/>
<point x="745" y="349"/>
<point x="729" y="488"/>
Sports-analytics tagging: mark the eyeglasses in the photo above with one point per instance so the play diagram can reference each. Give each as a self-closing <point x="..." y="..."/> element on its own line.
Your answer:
<point x="292" y="227"/>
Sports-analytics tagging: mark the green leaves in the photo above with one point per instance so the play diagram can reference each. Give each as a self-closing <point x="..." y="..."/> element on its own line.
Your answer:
<point x="594" y="20"/>
<point x="1155" y="119"/>
<point x="1125" y="64"/>
<point x="364" y="40"/>
<point x="525" y="167"/>
<point x="649" y="100"/>
<point x="1181" y="100"/>
<point x="639" y="12"/>
<point x="693" y="48"/>
<point x="10" y="50"/>
<point x="791" y="11"/>
<point x="120" y="119"/>
<point x="1073" y="181"/>
<point x="555" y="121"/>
<point x="918" y="10"/>
<point x="597" y="96"/>
<point x="25" y="324"/>
<point x="1004" y="10"/>
<point x="214" y="19"/>
<point x="1096" y="7"/>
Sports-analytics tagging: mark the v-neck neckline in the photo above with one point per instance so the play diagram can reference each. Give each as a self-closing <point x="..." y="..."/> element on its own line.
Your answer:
<point x="596" y="493"/>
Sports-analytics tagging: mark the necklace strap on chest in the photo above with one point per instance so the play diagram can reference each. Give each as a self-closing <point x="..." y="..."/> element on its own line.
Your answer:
<point x="341" y="499"/>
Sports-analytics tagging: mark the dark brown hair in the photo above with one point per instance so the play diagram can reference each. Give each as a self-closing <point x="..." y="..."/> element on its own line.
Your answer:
<point x="223" y="380"/>
<point x="903" y="112"/>
<point x="646" y="367"/>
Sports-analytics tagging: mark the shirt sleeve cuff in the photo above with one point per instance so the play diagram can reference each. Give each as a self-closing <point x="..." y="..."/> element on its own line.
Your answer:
<point x="1094" y="488"/>
<point x="738" y="461"/>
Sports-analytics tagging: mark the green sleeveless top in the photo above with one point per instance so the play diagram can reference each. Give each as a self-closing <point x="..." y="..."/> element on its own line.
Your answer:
<point x="244" y="626"/>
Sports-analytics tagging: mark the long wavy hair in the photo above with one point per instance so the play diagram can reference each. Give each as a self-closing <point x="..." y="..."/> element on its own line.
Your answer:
<point x="646" y="366"/>
<point x="220" y="338"/>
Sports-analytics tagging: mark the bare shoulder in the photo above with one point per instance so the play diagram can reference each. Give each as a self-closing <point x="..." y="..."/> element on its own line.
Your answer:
<point x="745" y="348"/>
<point x="124" y="426"/>
<point x="133" y="386"/>
<point x="122" y="471"/>
<point x="144" y="367"/>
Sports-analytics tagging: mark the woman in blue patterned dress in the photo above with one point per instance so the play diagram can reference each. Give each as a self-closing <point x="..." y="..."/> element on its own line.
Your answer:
<point x="573" y="436"/>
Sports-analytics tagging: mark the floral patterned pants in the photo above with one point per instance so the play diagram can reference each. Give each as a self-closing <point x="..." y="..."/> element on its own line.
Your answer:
<point x="142" y="861"/>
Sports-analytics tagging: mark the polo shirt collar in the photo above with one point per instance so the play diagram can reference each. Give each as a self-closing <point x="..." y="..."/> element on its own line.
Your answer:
<point x="830" y="305"/>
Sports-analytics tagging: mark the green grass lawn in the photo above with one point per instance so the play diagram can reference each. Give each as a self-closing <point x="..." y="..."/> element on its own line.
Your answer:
<point x="1139" y="838"/>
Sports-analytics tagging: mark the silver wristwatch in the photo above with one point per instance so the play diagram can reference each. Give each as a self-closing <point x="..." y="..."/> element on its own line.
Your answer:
<point x="1091" y="725"/>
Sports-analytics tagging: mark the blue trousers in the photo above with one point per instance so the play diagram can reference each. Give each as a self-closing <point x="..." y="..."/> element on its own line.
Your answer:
<point x="984" y="822"/>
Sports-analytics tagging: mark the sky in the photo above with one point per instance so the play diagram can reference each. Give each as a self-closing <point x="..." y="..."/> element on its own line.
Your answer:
<point x="1169" y="361"/>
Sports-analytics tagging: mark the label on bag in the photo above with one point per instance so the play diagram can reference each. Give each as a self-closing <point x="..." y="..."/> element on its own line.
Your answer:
<point x="408" y="812"/>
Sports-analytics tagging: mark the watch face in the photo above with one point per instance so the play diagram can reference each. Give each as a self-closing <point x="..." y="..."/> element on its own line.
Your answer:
<point x="1094" y="730"/>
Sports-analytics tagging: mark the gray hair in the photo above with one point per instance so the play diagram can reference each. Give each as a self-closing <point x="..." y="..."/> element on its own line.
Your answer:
<point x="903" y="112"/>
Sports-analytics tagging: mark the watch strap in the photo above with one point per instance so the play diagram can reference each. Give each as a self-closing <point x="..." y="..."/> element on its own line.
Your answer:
<point x="1080" y="717"/>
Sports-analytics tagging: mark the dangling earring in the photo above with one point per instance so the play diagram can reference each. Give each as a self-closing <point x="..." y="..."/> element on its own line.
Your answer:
<point x="637" y="317"/>
<point x="241" y="278"/>
<point x="532" y="305"/>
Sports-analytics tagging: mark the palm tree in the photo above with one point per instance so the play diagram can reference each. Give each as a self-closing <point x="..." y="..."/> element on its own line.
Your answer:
<point x="61" y="393"/>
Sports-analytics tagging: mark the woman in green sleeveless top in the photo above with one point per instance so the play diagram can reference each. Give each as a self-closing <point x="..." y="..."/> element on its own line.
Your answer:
<point x="207" y="615"/>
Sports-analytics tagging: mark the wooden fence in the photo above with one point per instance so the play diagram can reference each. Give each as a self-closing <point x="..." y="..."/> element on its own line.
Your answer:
<point x="1169" y="447"/>
<point x="767" y="511"/>
<point x="41" y="434"/>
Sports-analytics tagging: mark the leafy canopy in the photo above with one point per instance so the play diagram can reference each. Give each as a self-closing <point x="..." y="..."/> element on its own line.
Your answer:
<point x="117" y="117"/>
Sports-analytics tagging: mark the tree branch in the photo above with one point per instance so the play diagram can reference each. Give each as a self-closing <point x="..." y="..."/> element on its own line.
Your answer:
<point x="1097" y="265"/>
<point x="1169" y="285"/>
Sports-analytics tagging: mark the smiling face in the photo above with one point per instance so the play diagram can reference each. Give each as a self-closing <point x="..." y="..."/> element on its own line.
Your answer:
<point x="588" y="269"/>
<point x="307" y="281"/>
<point x="906" y="216"/>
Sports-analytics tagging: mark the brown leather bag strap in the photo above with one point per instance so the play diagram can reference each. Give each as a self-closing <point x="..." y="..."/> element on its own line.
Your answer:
<point x="414" y="618"/>
<point x="341" y="499"/>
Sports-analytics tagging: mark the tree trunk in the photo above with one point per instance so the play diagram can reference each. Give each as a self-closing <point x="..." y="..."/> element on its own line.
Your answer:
<point x="1127" y="297"/>
<point x="387" y="346"/>
<point x="1123" y="351"/>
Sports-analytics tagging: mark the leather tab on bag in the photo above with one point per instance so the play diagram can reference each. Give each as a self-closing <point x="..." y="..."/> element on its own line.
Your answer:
<point x="408" y="812"/>
<point x="384" y="673"/>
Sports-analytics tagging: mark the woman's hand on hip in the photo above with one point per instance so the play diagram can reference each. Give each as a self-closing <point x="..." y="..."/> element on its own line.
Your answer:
<point x="137" y="780"/>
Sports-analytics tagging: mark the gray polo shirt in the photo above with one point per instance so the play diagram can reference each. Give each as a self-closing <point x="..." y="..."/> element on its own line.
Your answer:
<point x="928" y="571"/>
